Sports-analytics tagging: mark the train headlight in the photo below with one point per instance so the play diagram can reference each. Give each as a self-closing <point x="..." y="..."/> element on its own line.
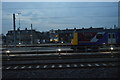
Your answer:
<point x="103" y="43"/>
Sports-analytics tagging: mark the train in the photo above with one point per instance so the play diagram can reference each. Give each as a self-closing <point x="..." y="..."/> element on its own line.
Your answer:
<point x="93" y="38"/>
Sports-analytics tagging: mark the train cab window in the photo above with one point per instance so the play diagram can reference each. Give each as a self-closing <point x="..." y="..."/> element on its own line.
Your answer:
<point x="109" y="36"/>
<point x="99" y="36"/>
<point x="113" y="35"/>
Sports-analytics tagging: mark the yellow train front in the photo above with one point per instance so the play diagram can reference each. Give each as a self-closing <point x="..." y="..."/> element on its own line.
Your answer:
<point x="93" y="39"/>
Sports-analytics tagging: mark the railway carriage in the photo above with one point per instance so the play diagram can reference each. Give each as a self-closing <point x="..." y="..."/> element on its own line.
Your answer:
<point x="95" y="38"/>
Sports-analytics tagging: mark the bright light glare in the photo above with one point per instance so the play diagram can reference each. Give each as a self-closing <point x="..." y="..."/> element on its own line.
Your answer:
<point x="59" y="49"/>
<point x="103" y="43"/>
<point x="19" y="43"/>
<point x="11" y="55"/>
<point x="7" y="51"/>
<point x="111" y="48"/>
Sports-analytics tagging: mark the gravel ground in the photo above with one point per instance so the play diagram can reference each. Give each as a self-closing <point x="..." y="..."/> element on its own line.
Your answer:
<point x="63" y="73"/>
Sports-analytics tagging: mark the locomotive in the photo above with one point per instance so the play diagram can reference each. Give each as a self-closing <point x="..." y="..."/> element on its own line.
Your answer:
<point x="94" y="38"/>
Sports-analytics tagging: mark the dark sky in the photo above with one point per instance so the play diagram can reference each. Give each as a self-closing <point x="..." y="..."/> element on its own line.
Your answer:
<point x="59" y="15"/>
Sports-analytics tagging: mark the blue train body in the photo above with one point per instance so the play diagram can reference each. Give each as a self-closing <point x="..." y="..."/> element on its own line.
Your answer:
<point x="96" y="37"/>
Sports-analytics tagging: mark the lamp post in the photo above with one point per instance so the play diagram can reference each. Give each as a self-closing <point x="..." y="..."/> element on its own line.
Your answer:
<point x="19" y="29"/>
<point x="111" y="48"/>
<point x="7" y="53"/>
<point x="31" y="35"/>
<point x="19" y="19"/>
<point x="59" y="50"/>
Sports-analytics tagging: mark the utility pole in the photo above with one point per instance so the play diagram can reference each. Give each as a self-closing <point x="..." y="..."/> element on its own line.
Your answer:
<point x="19" y="19"/>
<point x="14" y="30"/>
<point x="19" y="29"/>
<point x="31" y="35"/>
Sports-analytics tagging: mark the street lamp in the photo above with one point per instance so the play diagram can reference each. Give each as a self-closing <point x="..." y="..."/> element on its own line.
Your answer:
<point x="19" y="19"/>
<point x="31" y="35"/>
<point x="7" y="53"/>
<point x="111" y="48"/>
<point x="59" y="50"/>
<point x="19" y="28"/>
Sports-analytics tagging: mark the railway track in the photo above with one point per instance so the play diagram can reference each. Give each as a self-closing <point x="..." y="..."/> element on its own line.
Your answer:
<point x="61" y="64"/>
<point x="55" y="56"/>
<point x="60" y="61"/>
<point x="66" y="65"/>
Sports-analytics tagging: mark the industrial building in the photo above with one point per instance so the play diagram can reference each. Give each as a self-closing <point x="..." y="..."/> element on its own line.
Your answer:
<point x="26" y="37"/>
